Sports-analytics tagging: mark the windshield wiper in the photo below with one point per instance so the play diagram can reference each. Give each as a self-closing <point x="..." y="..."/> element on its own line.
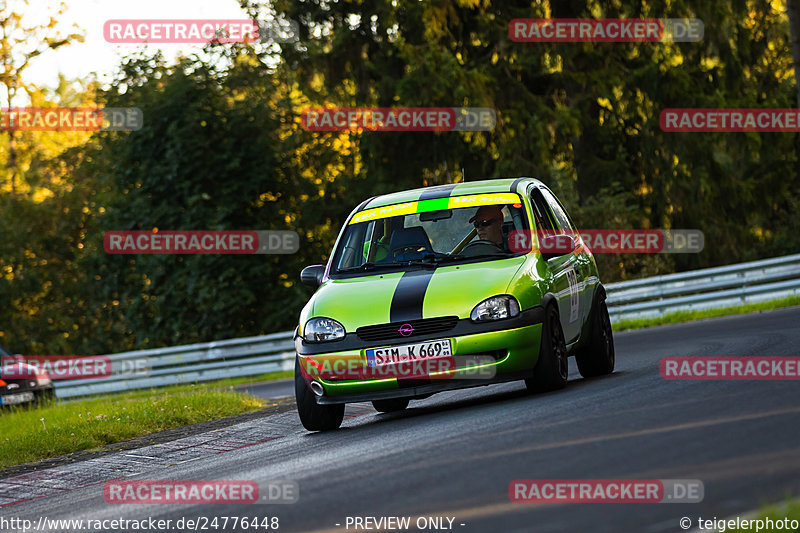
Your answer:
<point x="459" y="257"/>
<point x="429" y="260"/>
<point x="425" y="262"/>
<point x="439" y="259"/>
<point x="451" y="258"/>
<point x="372" y="266"/>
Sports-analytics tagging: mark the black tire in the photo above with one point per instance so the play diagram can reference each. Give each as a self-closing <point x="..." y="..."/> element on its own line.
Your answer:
<point x="552" y="368"/>
<point x="391" y="405"/>
<point x="596" y="357"/>
<point x="314" y="417"/>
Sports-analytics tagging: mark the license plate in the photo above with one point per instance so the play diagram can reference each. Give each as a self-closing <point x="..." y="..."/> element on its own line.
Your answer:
<point x="420" y="351"/>
<point x="11" y="399"/>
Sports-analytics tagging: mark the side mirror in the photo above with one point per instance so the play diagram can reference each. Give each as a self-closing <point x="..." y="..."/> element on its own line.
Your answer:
<point x="556" y="245"/>
<point x="312" y="275"/>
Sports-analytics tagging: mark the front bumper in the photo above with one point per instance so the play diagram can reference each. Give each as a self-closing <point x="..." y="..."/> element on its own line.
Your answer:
<point x="512" y="345"/>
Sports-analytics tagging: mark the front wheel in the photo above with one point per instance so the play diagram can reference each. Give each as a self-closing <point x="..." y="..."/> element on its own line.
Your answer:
<point x="552" y="367"/>
<point x="313" y="416"/>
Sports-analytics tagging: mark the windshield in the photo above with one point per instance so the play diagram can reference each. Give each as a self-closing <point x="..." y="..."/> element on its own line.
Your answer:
<point x="426" y="235"/>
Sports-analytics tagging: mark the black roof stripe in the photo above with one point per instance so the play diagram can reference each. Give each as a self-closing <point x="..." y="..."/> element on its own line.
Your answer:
<point x="363" y="204"/>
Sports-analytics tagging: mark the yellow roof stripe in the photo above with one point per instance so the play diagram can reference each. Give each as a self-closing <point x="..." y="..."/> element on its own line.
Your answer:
<point x="435" y="204"/>
<point x="384" y="212"/>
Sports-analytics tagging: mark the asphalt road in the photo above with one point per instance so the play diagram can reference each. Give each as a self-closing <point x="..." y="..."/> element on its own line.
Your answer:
<point x="279" y="388"/>
<point x="454" y="454"/>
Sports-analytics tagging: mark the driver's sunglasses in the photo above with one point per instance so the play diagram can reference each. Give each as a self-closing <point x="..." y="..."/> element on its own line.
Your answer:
<point x="485" y="223"/>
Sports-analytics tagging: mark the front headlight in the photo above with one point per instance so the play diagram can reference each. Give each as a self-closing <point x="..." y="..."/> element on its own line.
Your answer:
<point x="323" y="330"/>
<point x="495" y="308"/>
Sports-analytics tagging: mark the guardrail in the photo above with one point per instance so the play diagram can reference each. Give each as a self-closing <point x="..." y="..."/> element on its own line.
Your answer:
<point x="709" y="288"/>
<point x="250" y="356"/>
<point x="247" y="356"/>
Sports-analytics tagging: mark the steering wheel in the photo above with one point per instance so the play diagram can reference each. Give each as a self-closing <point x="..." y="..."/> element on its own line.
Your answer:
<point x="408" y="249"/>
<point x="476" y="244"/>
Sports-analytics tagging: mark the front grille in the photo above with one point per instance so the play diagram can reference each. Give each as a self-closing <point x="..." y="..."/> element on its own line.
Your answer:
<point x="426" y="326"/>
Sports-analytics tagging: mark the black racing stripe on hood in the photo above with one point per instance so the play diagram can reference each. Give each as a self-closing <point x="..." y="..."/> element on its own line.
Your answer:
<point x="409" y="295"/>
<point x="439" y="191"/>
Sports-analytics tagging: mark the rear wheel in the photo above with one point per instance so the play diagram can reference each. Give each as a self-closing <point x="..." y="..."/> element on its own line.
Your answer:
<point x="314" y="417"/>
<point x="596" y="358"/>
<point x="391" y="405"/>
<point x="552" y="367"/>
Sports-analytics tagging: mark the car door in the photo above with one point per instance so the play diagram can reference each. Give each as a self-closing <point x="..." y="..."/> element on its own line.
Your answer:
<point x="562" y="270"/>
<point x="581" y="289"/>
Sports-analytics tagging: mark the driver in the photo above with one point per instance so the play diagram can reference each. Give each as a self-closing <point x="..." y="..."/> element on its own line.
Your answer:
<point x="488" y="221"/>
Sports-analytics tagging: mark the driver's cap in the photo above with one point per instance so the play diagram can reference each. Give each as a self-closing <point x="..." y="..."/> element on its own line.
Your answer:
<point x="487" y="212"/>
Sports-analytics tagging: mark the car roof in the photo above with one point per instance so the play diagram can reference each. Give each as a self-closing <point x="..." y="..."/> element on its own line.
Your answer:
<point x="452" y="189"/>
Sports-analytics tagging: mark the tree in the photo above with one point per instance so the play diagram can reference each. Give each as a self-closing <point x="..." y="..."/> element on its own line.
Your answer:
<point x="581" y="116"/>
<point x="41" y="279"/>
<point x="20" y="43"/>
<point x="219" y="150"/>
<point x="793" y="13"/>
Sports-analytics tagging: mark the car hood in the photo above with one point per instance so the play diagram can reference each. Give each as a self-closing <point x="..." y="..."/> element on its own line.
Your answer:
<point x="452" y="290"/>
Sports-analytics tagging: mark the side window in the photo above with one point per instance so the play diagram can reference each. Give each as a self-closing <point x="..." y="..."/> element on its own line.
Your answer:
<point x="542" y="214"/>
<point x="561" y="216"/>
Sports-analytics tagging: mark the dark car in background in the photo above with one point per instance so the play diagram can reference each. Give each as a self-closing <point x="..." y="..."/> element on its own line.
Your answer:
<point x="21" y="383"/>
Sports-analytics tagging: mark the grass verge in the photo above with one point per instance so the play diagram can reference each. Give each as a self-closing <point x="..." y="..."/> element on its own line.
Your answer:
<point x="688" y="316"/>
<point x="31" y="434"/>
<point x="271" y="376"/>
<point x="777" y="513"/>
<point x="224" y="384"/>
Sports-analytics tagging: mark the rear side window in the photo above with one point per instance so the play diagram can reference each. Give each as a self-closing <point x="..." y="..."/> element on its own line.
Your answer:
<point x="562" y="219"/>
<point x="541" y="212"/>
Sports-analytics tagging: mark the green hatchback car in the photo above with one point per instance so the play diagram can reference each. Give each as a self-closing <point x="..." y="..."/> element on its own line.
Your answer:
<point x="449" y="287"/>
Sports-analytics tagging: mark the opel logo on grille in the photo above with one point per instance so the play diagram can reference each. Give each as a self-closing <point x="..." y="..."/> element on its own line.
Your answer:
<point x="406" y="330"/>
